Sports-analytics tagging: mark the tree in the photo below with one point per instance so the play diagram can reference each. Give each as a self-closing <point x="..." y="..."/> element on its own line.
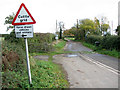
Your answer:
<point x="72" y="31"/>
<point x="69" y="32"/>
<point x="97" y="27"/>
<point x="61" y="25"/>
<point x="118" y="30"/>
<point x="60" y="33"/>
<point x="11" y="37"/>
<point x="104" y="27"/>
<point x="8" y="21"/>
<point x="97" y="23"/>
<point x="89" y="27"/>
<point x="86" y="25"/>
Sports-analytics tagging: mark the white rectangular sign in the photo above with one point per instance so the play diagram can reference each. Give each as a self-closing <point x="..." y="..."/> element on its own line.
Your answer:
<point x="24" y="31"/>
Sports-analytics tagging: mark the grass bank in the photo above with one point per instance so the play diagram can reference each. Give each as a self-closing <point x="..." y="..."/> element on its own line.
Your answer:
<point x="46" y="74"/>
<point x="113" y="53"/>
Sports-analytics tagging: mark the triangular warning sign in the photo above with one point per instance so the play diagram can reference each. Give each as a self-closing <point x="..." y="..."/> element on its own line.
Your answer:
<point x="23" y="16"/>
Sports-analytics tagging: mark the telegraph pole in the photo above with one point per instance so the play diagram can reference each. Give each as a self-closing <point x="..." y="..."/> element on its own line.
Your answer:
<point x="56" y="36"/>
<point x="56" y="25"/>
<point x="60" y="25"/>
<point x="77" y="23"/>
<point x="77" y="30"/>
<point x="112" y="28"/>
<point x="60" y="32"/>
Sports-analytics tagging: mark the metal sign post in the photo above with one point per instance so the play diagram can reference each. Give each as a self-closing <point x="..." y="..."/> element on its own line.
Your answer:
<point x="28" y="63"/>
<point x="23" y="22"/>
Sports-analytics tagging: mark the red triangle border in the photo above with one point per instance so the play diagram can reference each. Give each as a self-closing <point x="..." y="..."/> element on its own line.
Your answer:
<point x="23" y="23"/>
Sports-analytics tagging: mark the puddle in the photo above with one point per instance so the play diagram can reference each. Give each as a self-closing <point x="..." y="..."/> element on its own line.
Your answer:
<point x="71" y="55"/>
<point x="87" y="52"/>
<point x="42" y="57"/>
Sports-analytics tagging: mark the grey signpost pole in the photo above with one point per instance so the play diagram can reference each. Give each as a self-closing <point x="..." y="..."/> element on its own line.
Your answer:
<point x="28" y="63"/>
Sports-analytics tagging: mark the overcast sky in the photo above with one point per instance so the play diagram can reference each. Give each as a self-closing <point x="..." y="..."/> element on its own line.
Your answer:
<point x="46" y="12"/>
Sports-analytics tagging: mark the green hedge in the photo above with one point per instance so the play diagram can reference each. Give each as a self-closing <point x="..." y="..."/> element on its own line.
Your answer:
<point x="13" y="56"/>
<point x="92" y="39"/>
<point x="108" y="42"/>
<point x="41" y="42"/>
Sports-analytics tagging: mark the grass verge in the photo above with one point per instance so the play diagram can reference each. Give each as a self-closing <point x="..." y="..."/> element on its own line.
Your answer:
<point x="113" y="53"/>
<point x="58" y="50"/>
<point x="49" y="74"/>
<point x="70" y="38"/>
<point x="45" y="74"/>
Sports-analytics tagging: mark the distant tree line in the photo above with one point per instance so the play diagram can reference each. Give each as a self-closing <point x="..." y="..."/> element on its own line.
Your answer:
<point x="86" y="27"/>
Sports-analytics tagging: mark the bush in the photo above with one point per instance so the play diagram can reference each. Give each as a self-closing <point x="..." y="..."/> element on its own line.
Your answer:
<point x="13" y="62"/>
<point x="13" y="56"/>
<point x="12" y="38"/>
<point x="92" y="39"/>
<point x="108" y="42"/>
<point x="41" y="42"/>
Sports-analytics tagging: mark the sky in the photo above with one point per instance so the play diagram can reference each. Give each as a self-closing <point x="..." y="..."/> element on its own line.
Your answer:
<point x="46" y="12"/>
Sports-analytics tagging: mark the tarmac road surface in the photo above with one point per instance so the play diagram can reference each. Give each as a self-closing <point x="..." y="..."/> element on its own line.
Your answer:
<point x="83" y="72"/>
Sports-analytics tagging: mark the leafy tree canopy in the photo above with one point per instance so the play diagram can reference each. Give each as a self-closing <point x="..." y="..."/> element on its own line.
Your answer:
<point x="8" y="20"/>
<point x="104" y="27"/>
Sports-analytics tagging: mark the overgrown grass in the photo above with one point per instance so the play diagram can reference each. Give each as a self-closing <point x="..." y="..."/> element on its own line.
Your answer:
<point x="49" y="74"/>
<point x="45" y="74"/>
<point x="93" y="47"/>
<point x="113" y="53"/>
<point x="60" y="45"/>
<point x="70" y="38"/>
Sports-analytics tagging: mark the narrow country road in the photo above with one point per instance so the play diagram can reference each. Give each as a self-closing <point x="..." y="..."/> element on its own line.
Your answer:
<point x="87" y="69"/>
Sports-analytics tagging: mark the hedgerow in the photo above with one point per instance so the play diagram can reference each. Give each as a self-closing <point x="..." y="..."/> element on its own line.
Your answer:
<point x="108" y="42"/>
<point x="41" y="42"/>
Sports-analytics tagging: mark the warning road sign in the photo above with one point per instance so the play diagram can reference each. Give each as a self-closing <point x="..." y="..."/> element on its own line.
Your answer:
<point x="24" y="31"/>
<point x="23" y="22"/>
<point x="23" y="16"/>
